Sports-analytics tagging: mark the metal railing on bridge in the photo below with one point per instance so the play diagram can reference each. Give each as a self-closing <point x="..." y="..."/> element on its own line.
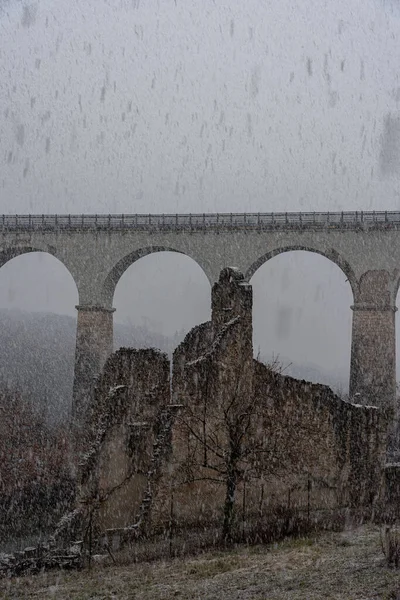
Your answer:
<point x="204" y="221"/>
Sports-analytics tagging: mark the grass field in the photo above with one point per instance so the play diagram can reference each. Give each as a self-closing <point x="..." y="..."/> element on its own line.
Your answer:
<point x="346" y="566"/>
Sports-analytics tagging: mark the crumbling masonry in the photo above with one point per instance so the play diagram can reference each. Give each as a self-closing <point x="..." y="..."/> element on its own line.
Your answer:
<point x="225" y="419"/>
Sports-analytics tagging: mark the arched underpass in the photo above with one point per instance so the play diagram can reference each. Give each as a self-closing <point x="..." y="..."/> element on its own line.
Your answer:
<point x="37" y="332"/>
<point x="302" y="317"/>
<point x="158" y="299"/>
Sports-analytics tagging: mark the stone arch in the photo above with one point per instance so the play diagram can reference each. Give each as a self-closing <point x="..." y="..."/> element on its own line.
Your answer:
<point x="10" y="251"/>
<point x="289" y="325"/>
<point x="167" y="293"/>
<point x="48" y="354"/>
<point x="331" y="255"/>
<point x="124" y="263"/>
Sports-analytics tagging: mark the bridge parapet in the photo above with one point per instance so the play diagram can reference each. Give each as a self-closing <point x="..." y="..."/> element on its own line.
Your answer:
<point x="204" y="221"/>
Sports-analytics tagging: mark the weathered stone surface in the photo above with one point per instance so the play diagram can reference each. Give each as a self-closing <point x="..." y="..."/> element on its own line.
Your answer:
<point x="340" y="446"/>
<point x="391" y="491"/>
<point x="154" y="458"/>
<point x="125" y="421"/>
<point x="94" y="344"/>
<point x="310" y="447"/>
<point x="373" y="351"/>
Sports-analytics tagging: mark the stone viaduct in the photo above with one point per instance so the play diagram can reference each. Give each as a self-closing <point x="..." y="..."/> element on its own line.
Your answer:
<point x="97" y="249"/>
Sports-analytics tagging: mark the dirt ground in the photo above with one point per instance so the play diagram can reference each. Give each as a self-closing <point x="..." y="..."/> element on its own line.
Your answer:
<point x="348" y="566"/>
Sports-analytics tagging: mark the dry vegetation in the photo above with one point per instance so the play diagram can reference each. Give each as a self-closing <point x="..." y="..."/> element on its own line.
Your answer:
<point x="345" y="566"/>
<point x="35" y="484"/>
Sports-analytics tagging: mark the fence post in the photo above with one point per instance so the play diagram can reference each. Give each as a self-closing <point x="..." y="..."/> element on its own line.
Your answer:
<point x="171" y="524"/>
<point x="244" y="510"/>
<point x="261" y="504"/>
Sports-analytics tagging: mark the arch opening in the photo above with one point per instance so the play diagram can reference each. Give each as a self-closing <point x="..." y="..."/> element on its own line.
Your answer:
<point x="158" y="299"/>
<point x="37" y="331"/>
<point x="332" y="255"/>
<point x="302" y="317"/>
<point x="127" y="261"/>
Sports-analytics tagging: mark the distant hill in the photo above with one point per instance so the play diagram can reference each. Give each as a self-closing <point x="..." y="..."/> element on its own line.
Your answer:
<point x="338" y="381"/>
<point x="37" y="355"/>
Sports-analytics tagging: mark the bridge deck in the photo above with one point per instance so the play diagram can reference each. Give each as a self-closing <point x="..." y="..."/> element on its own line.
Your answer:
<point x="206" y="221"/>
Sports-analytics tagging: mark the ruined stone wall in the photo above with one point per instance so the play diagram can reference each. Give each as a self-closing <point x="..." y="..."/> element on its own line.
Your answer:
<point x="391" y="492"/>
<point x="310" y="448"/>
<point x="203" y="386"/>
<point x="315" y="451"/>
<point x="338" y="447"/>
<point x="124" y="424"/>
<point x="300" y="446"/>
<point x="196" y="359"/>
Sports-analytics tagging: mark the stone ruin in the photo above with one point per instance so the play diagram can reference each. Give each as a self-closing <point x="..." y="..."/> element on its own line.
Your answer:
<point x="155" y="442"/>
<point x="161" y="448"/>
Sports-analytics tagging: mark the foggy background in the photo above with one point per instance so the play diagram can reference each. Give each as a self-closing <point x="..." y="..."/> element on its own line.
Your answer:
<point x="201" y="106"/>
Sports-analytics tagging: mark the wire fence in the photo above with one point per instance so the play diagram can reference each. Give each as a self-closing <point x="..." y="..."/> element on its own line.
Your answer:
<point x="221" y="221"/>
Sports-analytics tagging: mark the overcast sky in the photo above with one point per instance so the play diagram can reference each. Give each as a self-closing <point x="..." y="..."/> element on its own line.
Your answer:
<point x="201" y="105"/>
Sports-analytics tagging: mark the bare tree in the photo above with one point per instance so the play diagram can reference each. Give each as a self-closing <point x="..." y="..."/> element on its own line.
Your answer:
<point x="225" y="443"/>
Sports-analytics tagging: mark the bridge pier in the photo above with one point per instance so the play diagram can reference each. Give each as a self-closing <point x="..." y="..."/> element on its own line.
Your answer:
<point x="373" y="347"/>
<point x="94" y="343"/>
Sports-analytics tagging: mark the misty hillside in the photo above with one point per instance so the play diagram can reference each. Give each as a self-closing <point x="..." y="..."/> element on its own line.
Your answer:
<point x="336" y="379"/>
<point x="37" y="355"/>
